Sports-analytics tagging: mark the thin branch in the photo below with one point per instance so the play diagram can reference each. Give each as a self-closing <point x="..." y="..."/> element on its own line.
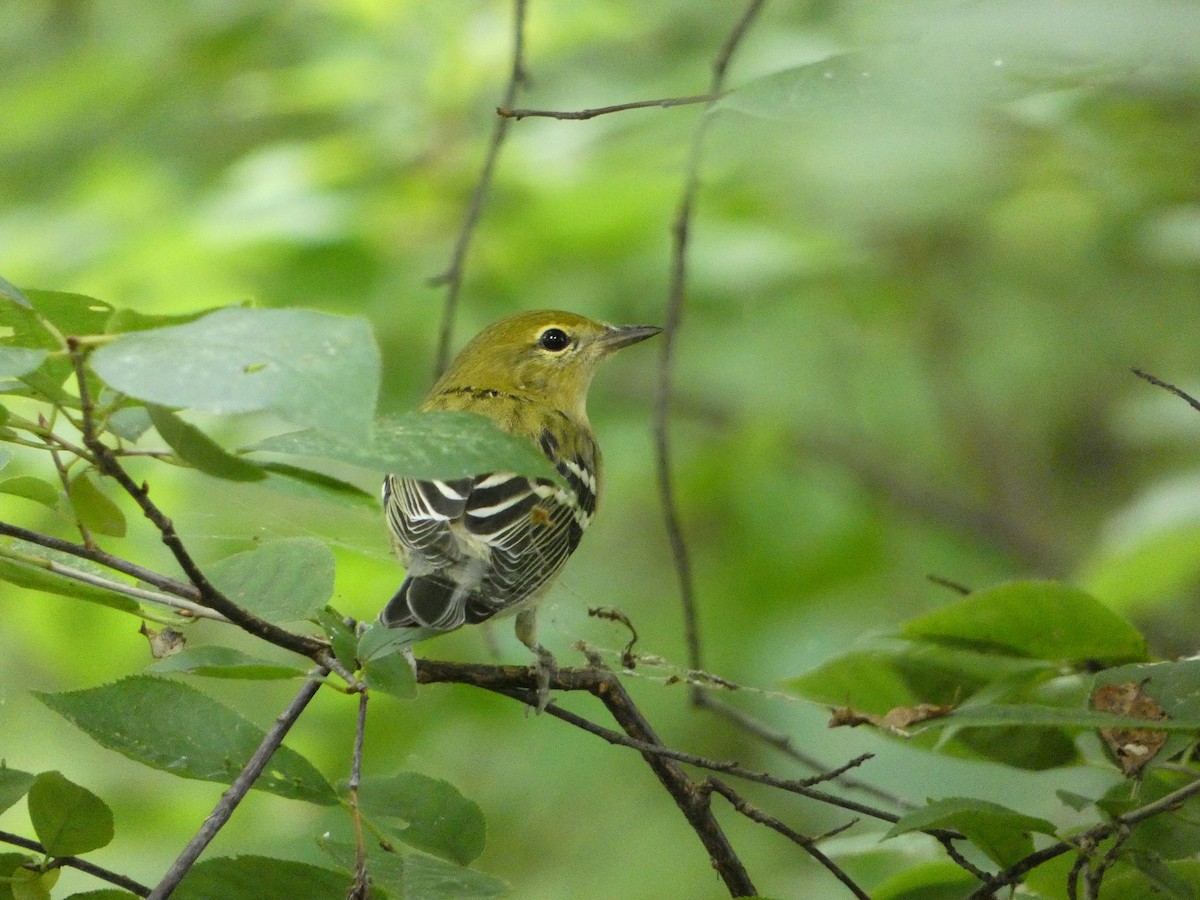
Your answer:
<point x="109" y="465"/>
<point x="74" y="862"/>
<point x="521" y="683"/>
<point x="453" y="275"/>
<point x="96" y="555"/>
<point x="361" y="887"/>
<point x="117" y="587"/>
<point x="784" y="744"/>
<point x="674" y="313"/>
<point x="1014" y="873"/>
<point x="1178" y="392"/>
<point x="808" y="844"/>
<point x="581" y="114"/>
<point x="245" y="780"/>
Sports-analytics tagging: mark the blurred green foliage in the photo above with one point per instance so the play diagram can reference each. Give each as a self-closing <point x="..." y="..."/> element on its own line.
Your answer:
<point x="932" y="238"/>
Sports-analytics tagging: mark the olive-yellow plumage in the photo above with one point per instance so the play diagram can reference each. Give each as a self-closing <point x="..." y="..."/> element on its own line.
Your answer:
<point x="491" y="544"/>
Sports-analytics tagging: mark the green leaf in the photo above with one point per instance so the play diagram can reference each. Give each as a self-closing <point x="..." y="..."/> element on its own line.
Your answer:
<point x="31" y="488"/>
<point x="306" y="483"/>
<point x="1000" y="832"/>
<point x="15" y="361"/>
<point x="69" y="819"/>
<point x="13" y="294"/>
<point x="129" y="422"/>
<point x="14" y="784"/>
<point x="72" y="314"/>
<point x="281" y="581"/>
<point x="196" y="448"/>
<point x="309" y="368"/>
<point x="1029" y="714"/>
<point x="224" y="662"/>
<point x="415" y="876"/>
<point x="931" y="881"/>
<point x="94" y="508"/>
<point x="1033" y="619"/>
<point x="174" y="727"/>
<point x="342" y="640"/>
<point x="260" y="878"/>
<point x="386" y="667"/>
<point x="32" y="885"/>
<point x="422" y="445"/>
<point x="33" y="573"/>
<point x="12" y="866"/>
<point x="103" y="894"/>
<point x="426" y="813"/>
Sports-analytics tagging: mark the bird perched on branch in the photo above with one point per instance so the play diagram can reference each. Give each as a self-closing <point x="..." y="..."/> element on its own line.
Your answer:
<point x="491" y="544"/>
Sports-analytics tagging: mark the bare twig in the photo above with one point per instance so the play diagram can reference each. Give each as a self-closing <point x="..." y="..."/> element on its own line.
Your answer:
<point x="109" y="465"/>
<point x="96" y="555"/>
<point x="674" y="314"/>
<point x="74" y="862"/>
<point x="582" y="114"/>
<point x="361" y="887"/>
<point x="1178" y="392"/>
<point x="453" y="275"/>
<point x="521" y="683"/>
<point x="1014" y="873"/>
<point x="809" y="845"/>
<point x="245" y="780"/>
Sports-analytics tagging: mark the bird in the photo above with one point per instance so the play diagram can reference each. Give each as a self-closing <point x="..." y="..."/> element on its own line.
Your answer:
<point x="491" y="544"/>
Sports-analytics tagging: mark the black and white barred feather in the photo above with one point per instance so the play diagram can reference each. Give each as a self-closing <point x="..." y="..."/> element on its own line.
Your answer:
<point x="489" y="544"/>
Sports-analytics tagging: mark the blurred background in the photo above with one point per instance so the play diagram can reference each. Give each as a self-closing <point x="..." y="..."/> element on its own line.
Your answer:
<point x="919" y="278"/>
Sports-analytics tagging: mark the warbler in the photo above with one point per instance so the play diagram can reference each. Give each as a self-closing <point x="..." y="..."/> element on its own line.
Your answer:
<point x="491" y="544"/>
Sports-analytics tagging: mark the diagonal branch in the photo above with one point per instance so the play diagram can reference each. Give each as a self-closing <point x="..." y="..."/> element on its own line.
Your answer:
<point x="109" y="465"/>
<point x="74" y="862"/>
<point x="674" y="313"/>
<point x="241" y="785"/>
<point x="453" y="275"/>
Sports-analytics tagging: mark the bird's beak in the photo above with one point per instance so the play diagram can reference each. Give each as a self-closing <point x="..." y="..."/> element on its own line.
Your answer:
<point x="619" y="336"/>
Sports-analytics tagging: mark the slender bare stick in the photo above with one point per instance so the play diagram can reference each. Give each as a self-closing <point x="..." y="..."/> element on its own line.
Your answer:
<point x="453" y="275"/>
<point x="808" y="844"/>
<point x="361" y="886"/>
<point x="674" y="314"/>
<point x="96" y="555"/>
<point x="109" y="465"/>
<point x="74" y="862"/>
<point x="1178" y="392"/>
<point x="245" y="780"/>
<point x="582" y="114"/>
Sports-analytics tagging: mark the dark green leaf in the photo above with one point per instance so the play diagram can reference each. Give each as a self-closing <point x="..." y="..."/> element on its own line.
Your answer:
<point x="1175" y="835"/>
<point x="1077" y="802"/>
<point x="387" y="669"/>
<point x="309" y="368"/>
<point x="307" y="483"/>
<point x="31" y="488"/>
<point x="415" y="876"/>
<point x="196" y="448"/>
<point x="94" y="508"/>
<point x="14" y="784"/>
<point x="425" y="813"/>
<point x="1034" y="619"/>
<point x="68" y="819"/>
<point x="173" y="727"/>
<point x="281" y="581"/>
<point x="15" y="361"/>
<point x="994" y="715"/>
<point x="260" y="878"/>
<point x="422" y="445"/>
<point x="72" y="314"/>
<point x="931" y="881"/>
<point x="36" y="576"/>
<point x="124" y="320"/>
<point x="224" y="662"/>
<point x="1000" y="832"/>
<point x="342" y="639"/>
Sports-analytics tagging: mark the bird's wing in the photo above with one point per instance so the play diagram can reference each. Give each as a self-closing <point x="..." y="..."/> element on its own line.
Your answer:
<point x="479" y="546"/>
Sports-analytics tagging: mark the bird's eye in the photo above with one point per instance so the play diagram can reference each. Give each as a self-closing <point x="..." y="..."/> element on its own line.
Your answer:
<point x="555" y="340"/>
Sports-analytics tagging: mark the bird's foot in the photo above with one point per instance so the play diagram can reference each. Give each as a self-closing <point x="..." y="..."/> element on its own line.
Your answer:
<point x="545" y="668"/>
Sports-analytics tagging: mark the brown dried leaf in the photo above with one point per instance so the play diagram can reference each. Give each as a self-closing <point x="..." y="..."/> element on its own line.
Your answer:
<point x="164" y="643"/>
<point x="1133" y="748"/>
